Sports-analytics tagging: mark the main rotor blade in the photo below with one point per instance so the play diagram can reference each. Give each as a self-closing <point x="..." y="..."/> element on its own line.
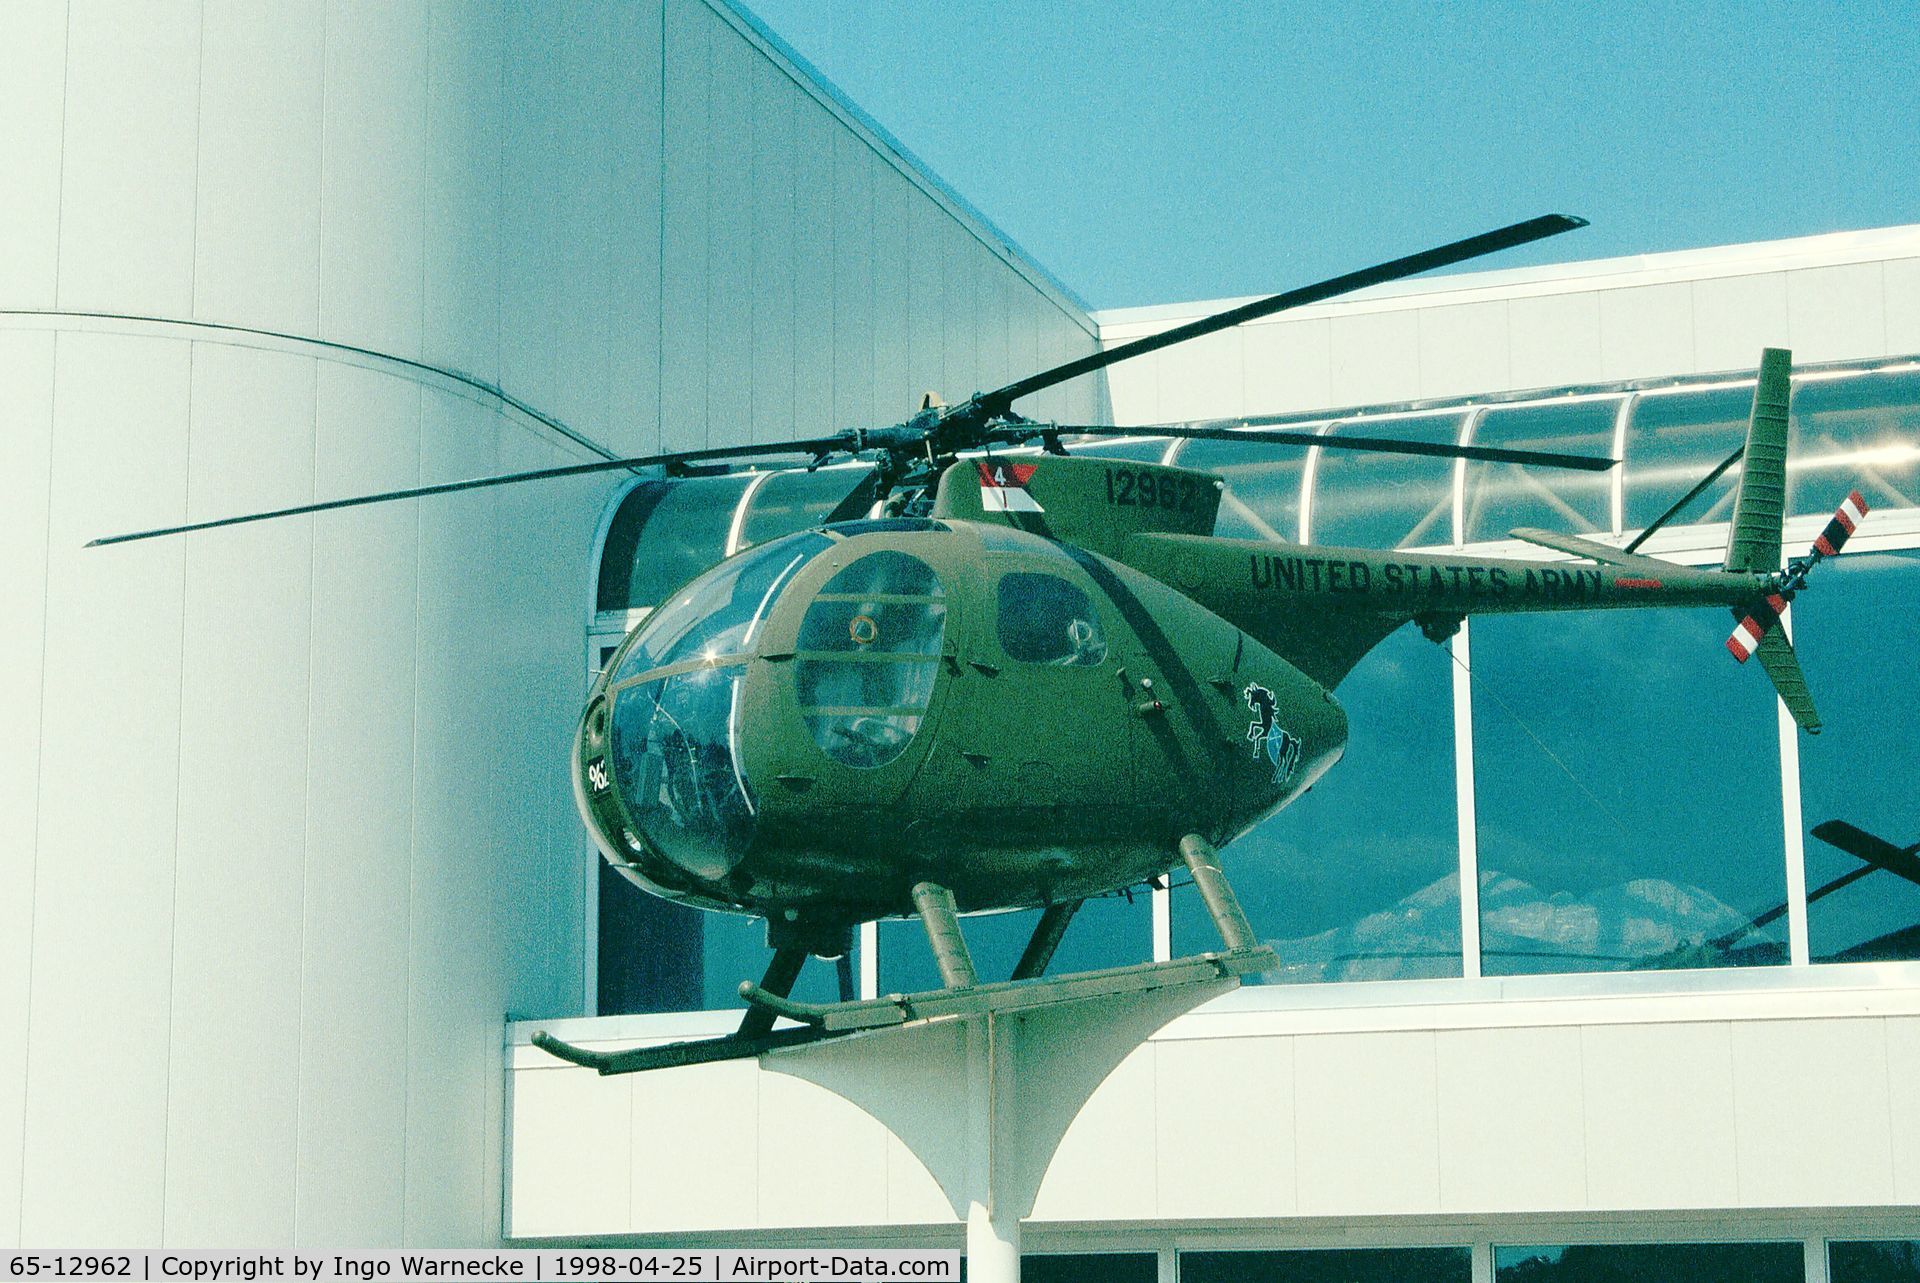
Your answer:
<point x="1381" y="445"/>
<point x="818" y="445"/>
<point x="1533" y="229"/>
<point x="1862" y="845"/>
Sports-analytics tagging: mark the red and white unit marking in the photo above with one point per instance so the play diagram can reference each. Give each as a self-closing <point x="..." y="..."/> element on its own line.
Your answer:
<point x="1003" y="486"/>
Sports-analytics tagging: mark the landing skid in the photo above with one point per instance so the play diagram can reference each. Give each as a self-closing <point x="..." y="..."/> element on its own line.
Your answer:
<point x="964" y="994"/>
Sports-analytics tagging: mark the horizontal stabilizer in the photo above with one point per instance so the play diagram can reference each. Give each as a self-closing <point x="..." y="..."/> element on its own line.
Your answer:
<point x="1574" y="546"/>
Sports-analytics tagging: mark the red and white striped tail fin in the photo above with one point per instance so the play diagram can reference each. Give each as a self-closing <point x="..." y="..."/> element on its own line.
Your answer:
<point x="1757" y="623"/>
<point x="1844" y="523"/>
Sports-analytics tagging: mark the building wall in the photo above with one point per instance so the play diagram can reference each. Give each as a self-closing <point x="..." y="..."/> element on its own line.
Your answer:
<point x="286" y="824"/>
<point x="1840" y="296"/>
<point x="1722" y="1103"/>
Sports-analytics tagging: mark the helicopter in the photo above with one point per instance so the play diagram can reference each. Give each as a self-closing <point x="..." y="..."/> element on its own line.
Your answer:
<point x="998" y="679"/>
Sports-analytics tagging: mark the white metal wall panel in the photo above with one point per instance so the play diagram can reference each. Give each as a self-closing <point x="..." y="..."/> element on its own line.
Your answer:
<point x="1555" y="339"/>
<point x="1646" y="331"/>
<point x="1207" y="378"/>
<point x="1735" y="316"/>
<point x="1818" y="1136"/>
<point x="1903" y="1066"/>
<point x="33" y="73"/>
<point x="814" y="338"/>
<point x="239" y="873"/>
<point x="454" y="968"/>
<point x="257" y="194"/>
<point x="633" y="159"/>
<point x="1366" y="1120"/>
<point x="463" y="185"/>
<point x="1288" y="366"/>
<point x="894" y="397"/>
<point x="853" y="272"/>
<point x="103" y="946"/>
<point x="1375" y="357"/>
<point x="993" y="310"/>
<point x="686" y="156"/>
<point x="130" y="152"/>
<point x="359" y="792"/>
<point x="373" y="176"/>
<point x="1464" y="348"/>
<point x="776" y="237"/>
<point x="599" y="1176"/>
<point x="1659" y="1115"/>
<point x="808" y="1132"/>
<point x="1901" y="284"/>
<point x="26" y="388"/>
<point x="1215" y="1157"/>
<point x="1512" y="1132"/>
<point x="956" y="331"/>
<point x="1837" y="312"/>
<point x="729" y="282"/>
<point x="713" y="1113"/>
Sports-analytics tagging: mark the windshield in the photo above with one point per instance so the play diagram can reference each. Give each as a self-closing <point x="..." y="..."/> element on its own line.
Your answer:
<point x="721" y="612"/>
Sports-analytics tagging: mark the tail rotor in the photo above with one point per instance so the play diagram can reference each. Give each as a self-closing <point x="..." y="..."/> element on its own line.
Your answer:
<point x="1759" y="619"/>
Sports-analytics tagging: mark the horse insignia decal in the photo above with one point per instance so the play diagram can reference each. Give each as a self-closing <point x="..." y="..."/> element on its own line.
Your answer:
<point x="1269" y="741"/>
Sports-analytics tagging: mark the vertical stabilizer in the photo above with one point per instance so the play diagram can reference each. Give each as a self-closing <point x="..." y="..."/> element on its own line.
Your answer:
<point x="1753" y="543"/>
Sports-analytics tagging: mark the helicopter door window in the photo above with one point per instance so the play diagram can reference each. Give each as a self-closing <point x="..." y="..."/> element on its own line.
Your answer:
<point x="868" y="656"/>
<point x="1046" y="620"/>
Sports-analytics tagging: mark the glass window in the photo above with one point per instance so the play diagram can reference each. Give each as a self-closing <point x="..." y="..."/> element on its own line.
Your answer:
<point x="870" y="646"/>
<point x="1863" y="432"/>
<point x="1371" y="500"/>
<point x="1140" y="450"/>
<point x="1676" y="438"/>
<point x="721" y="614"/>
<point x="656" y="955"/>
<point x="1331" y="1265"/>
<point x="1874" y="1261"/>
<point x="1262" y="498"/>
<point x="685" y="525"/>
<point x="1626" y="792"/>
<point x="1090" y="1267"/>
<point x="1359" y="879"/>
<point x="1856" y="633"/>
<point x="1652" y="1263"/>
<point x="796" y="500"/>
<point x="1108" y="931"/>
<point x="1046" y="620"/>
<point x="1503" y="496"/>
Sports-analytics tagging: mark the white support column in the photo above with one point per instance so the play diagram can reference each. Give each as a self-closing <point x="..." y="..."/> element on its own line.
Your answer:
<point x="869" y="960"/>
<point x="1162" y="924"/>
<point x="1799" y="951"/>
<point x="1463" y="802"/>
<point x="1815" y="1258"/>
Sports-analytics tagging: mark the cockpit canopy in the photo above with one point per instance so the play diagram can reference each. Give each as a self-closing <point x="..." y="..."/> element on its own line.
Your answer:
<point x="865" y="663"/>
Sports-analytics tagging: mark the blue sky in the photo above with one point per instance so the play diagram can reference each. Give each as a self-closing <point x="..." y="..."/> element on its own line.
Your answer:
<point x="1163" y="152"/>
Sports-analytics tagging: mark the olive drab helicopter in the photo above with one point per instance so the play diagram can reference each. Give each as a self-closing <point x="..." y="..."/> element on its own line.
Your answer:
<point x="997" y="678"/>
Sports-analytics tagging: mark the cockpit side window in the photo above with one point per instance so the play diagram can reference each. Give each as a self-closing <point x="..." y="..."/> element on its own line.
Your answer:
<point x="1046" y="620"/>
<point x="868" y="656"/>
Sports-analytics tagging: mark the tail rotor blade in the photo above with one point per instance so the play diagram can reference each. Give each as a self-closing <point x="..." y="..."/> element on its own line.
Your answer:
<point x="1756" y="624"/>
<point x="1848" y="518"/>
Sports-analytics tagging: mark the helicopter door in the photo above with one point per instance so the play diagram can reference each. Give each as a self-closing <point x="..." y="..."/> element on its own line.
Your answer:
<point x="1044" y="724"/>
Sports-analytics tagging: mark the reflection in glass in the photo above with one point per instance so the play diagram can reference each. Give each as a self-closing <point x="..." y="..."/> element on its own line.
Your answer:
<point x="1503" y="496"/>
<point x="869" y="645"/>
<point x="677" y="772"/>
<point x="1138" y="449"/>
<point x="1676" y="438"/>
<point x="1359" y="880"/>
<point x="721" y="614"/>
<point x="1652" y="1263"/>
<point x="1857" y="634"/>
<point x="685" y="526"/>
<point x="1374" y="500"/>
<point x="1862" y="431"/>
<point x="1046" y="620"/>
<point x="1331" y="1265"/>
<point x="796" y="500"/>
<point x="1874" y="1261"/>
<point x="1627" y="794"/>
<point x="1108" y="931"/>
<point x="1262" y="499"/>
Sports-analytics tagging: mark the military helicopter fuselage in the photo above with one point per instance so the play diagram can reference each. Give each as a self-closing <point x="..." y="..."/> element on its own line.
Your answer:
<point x="1027" y="696"/>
